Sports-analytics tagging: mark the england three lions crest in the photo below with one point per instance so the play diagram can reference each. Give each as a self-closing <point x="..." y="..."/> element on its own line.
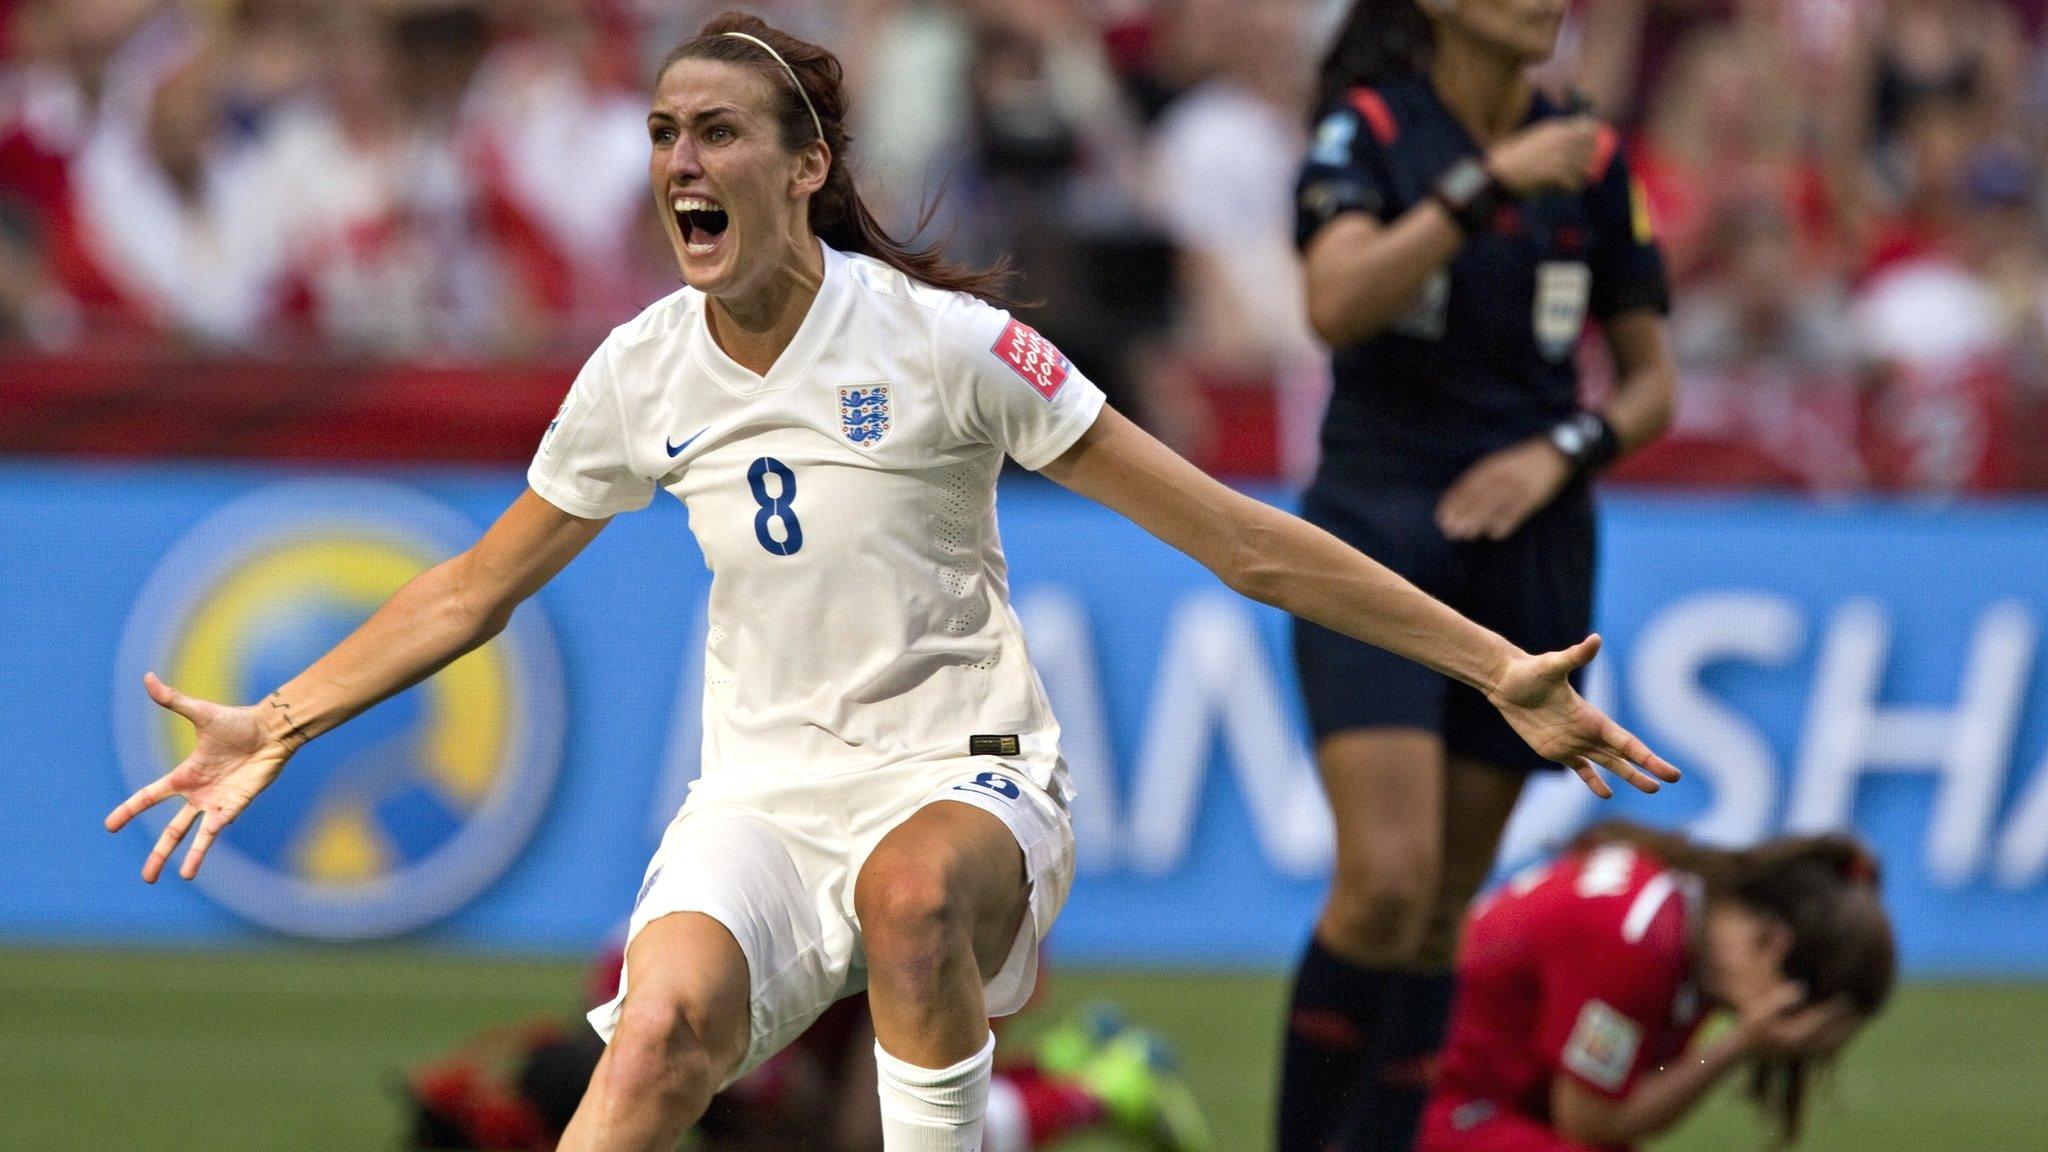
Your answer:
<point x="864" y="414"/>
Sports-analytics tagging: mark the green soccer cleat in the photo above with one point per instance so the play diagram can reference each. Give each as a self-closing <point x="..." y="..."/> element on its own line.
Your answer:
<point x="1141" y="1087"/>
<point x="1069" y="1045"/>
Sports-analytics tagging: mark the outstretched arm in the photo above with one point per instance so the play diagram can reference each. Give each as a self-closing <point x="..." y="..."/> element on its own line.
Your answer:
<point x="440" y="614"/>
<point x="1284" y="561"/>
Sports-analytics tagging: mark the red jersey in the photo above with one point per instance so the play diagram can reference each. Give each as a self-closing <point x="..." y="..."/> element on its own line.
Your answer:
<point x="1580" y="968"/>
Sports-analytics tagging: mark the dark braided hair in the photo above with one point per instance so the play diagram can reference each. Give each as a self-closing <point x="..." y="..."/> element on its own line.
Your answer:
<point x="838" y="216"/>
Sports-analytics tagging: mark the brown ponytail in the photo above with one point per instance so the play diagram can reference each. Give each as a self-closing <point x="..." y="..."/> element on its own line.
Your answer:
<point x="1824" y="889"/>
<point x="838" y="216"/>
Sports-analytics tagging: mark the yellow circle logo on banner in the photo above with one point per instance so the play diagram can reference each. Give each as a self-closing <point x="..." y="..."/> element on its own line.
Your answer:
<point x="410" y="810"/>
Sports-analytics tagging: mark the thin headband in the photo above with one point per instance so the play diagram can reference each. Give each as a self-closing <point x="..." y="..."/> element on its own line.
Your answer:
<point x="815" y="122"/>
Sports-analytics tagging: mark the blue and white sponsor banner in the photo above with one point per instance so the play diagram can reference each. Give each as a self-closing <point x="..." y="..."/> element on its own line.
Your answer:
<point x="1863" y="665"/>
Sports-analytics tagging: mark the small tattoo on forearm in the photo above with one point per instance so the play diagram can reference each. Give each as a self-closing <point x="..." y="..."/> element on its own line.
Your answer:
<point x="294" y="736"/>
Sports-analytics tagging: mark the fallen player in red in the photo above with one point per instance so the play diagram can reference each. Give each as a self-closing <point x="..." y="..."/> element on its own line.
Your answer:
<point x="1581" y="985"/>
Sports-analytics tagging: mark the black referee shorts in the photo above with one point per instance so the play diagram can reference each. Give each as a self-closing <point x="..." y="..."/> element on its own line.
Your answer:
<point x="1535" y="588"/>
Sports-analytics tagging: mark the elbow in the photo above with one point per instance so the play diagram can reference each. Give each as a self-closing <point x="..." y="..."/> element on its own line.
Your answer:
<point x="1648" y="390"/>
<point x="1256" y="582"/>
<point x="1325" y="322"/>
<point x="1601" y="1130"/>
<point x="1341" y="324"/>
<point x="1583" y="1118"/>
<point x="1663" y="403"/>
<point x="471" y="608"/>
<point x="469" y="626"/>
<point x="487" y="626"/>
<point x="1251" y="571"/>
<point x="1338" y="316"/>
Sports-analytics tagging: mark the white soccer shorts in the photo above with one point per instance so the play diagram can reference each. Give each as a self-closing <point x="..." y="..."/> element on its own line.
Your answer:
<point x="775" y="861"/>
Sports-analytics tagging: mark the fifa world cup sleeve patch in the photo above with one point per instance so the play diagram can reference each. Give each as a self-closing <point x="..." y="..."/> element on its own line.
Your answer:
<point x="547" y="438"/>
<point x="1033" y="357"/>
<point x="1603" y="1046"/>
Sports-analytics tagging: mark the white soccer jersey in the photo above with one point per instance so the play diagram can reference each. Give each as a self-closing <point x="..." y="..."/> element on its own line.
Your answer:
<point x="845" y="504"/>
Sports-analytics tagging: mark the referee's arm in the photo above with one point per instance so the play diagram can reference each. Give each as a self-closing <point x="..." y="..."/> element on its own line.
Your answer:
<point x="1360" y="274"/>
<point x="1645" y="376"/>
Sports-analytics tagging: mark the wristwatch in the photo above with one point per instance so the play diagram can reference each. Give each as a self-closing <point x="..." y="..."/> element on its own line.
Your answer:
<point x="1587" y="440"/>
<point x="1471" y="194"/>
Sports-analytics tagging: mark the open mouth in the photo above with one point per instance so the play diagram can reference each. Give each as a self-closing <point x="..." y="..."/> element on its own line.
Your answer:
<point x="702" y="224"/>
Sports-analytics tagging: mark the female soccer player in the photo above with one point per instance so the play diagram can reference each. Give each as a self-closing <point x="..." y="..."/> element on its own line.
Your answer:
<point x="1458" y="228"/>
<point x="882" y="801"/>
<point x="1790" y="937"/>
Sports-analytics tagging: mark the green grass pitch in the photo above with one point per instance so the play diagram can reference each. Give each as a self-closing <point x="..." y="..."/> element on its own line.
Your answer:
<point x="273" y="1050"/>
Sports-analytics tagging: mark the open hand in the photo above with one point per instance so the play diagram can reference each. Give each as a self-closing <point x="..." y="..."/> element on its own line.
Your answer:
<point x="1500" y="491"/>
<point x="233" y="759"/>
<point x="1536" y="695"/>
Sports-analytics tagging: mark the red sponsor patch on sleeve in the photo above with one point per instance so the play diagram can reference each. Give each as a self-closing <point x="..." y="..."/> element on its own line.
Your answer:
<point x="1033" y="357"/>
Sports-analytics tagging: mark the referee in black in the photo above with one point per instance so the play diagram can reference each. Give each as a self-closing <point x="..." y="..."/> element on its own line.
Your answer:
<point x="1459" y="228"/>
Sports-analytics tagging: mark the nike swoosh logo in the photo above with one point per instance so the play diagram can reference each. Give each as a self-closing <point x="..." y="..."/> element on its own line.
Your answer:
<point x="675" y="450"/>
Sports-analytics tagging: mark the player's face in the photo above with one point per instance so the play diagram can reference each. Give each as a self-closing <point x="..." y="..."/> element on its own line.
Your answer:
<point x="733" y="201"/>
<point x="1745" y="955"/>
<point x="1524" y="30"/>
<point x="1744" y="969"/>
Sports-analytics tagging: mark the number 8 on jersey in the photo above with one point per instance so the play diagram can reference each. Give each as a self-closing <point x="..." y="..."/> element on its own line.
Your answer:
<point x="776" y="507"/>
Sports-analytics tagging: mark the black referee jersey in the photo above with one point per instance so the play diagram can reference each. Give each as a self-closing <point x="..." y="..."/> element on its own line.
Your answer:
<point x="1483" y="357"/>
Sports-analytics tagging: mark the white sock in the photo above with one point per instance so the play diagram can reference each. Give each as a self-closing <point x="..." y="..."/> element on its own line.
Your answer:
<point x="1006" y="1127"/>
<point x="934" y="1109"/>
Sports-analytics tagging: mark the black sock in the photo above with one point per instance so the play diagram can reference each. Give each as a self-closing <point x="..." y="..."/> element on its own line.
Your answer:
<point x="1400" y="1065"/>
<point x="1331" y="1022"/>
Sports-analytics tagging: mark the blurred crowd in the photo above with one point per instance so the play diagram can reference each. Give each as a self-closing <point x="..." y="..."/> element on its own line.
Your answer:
<point x="1849" y="192"/>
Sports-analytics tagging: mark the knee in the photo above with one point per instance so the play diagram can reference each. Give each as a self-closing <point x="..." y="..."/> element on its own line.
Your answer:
<point x="660" y="1056"/>
<point x="1446" y="928"/>
<point x="1383" y="902"/>
<point x="910" y="917"/>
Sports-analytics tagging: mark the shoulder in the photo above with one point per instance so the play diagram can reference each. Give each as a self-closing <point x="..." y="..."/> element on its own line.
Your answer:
<point x="627" y="364"/>
<point x="1617" y="898"/>
<point x="1609" y="901"/>
<point x="880" y="287"/>
<point x="1382" y="109"/>
<point x="1395" y="107"/>
<point x="654" y="331"/>
<point x="1357" y="116"/>
<point x="665" y="318"/>
<point x="947" y="322"/>
<point x="658" y="322"/>
<point x="1368" y="119"/>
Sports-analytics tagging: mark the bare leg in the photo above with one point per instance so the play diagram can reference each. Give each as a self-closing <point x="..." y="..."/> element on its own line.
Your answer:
<point x="940" y="901"/>
<point x="1386" y="789"/>
<point x="682" y="1030"/>
<point x="1478" y="799"/>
